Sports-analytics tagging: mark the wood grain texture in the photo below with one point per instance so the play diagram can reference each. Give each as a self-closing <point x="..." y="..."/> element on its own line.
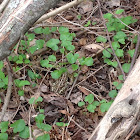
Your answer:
<point x="16" y="20"/>
<point x="124" y="112"/>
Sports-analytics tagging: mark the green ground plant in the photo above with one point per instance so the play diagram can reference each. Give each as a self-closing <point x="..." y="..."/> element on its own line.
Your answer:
<point x="119" y="45"/>
<point x="91" y="105"/>
<point x="118" y="26"/>
<point x="119" y="39"/>
<point x="63" y="46"/>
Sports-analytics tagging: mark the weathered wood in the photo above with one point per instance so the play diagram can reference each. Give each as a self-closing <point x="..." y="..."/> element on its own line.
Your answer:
<point x="17" y="18"/>
<point x="124" y="112"/>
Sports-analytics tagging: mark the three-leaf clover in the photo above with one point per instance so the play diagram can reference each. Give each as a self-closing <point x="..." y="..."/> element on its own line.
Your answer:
<point x="119" y="52"/>
<point x="56" y="74"/>
<point x="53" y="44"/>
<point x="18" y="126"/>
<point x="25" y="133"/>
<point x="72" y="58"/>
<point x="89" y="98"/>
<point x="126" y="67"/>
<point x="105" y="106"/>
<point x="101" y="39"/>
<point x="81" y="103"/>
<point x="3" y="136"/>
<point x="107" y="52"/>
<point x="43" y="137"/>
<point x="113" y="93"/>
<point x="119" y="11"/>
<point x="4" y="126"/>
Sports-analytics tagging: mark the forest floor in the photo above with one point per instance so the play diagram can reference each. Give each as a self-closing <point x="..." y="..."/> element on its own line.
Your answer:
<point x="65" y="72"/>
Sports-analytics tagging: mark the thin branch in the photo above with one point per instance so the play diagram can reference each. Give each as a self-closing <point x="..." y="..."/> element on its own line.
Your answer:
<point x="96" y="96"/>
<point x="29" y="123"/>
<point x="124" y="77"/>
<point x="58" y="10"/>
<point x="58" y="24"/>
<point x="135" y="54"/>
<point x="3" y="5"/>
<point x="121" y="21"/>
<point x="93" y="11"/>
<point x="74" y="83"/>
<point x="79" y="125"/>
<point x="8" y="94"/>
<point x="91" y="75"/>
<point x="132" y="131"/>
<point x="76" y="24"/>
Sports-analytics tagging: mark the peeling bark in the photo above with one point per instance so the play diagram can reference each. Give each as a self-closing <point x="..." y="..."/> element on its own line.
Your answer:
<point x="124" y="112"/>
<point x="16" y="20"/>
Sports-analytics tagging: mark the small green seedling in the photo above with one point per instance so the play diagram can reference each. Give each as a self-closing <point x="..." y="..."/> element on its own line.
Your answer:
<point x="104" y="106"/>
<point x="21" y="83"/>
<point x="88" y="23"/>
<point x="20" y="127"/>
<point x="91" y="104"/>
<point x="61" y="124"/>
<point x="35" y="101"/>
<point x="44" y="127"/>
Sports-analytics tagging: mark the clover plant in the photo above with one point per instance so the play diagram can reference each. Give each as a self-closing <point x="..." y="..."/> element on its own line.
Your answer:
<point x="63" y="46"/>
<point x="18" y="126"/>
<point x="90" y="103"/>
<point x="42" y="126"/>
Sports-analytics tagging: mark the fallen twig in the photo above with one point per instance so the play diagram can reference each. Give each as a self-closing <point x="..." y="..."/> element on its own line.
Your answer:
<point x="74" y="83"/>
<point x="135" y="54"/>
<point x="3" y="5"/>
<point x="91" y="75"/>
<point x="124" y="77"/>
<point x="121" y="21"/>
<point x="76" y="24"/>
<point x="8" y="94"/>
<point x="58" y="10"/>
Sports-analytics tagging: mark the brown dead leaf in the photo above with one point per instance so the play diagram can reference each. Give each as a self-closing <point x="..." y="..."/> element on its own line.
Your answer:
<point x="113" y="3"/>
<point x="70" y="70"/>
<point x="52" y="113"/>
<point x="32" y="43"/>
<point x="95" y="119"/>
<point x="137" y="138"/>
<point x="8" y="115"/>
<point x="85" y="136"/>
<point x="83" y="41"/>
<point x="76" y="97"/>
<point x="44" y="88"/>
<point x="37" y="133"/>
<point x="63" y="112"/>
<point x="81" y="53"/>
<point x="82" y="78"/>
<point x="82" y="89"/>
<point x="71" y="108"/>
<point x="56" y="100"/>
<point x="84" y="69"/>
<point x="138" y="3"/>
<point x="13" y="103"/>
<point x="93" y="48"/>
<point x="69" y="17"/>
<point x="99" y="112"/>
<point x="85" y="6"/>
